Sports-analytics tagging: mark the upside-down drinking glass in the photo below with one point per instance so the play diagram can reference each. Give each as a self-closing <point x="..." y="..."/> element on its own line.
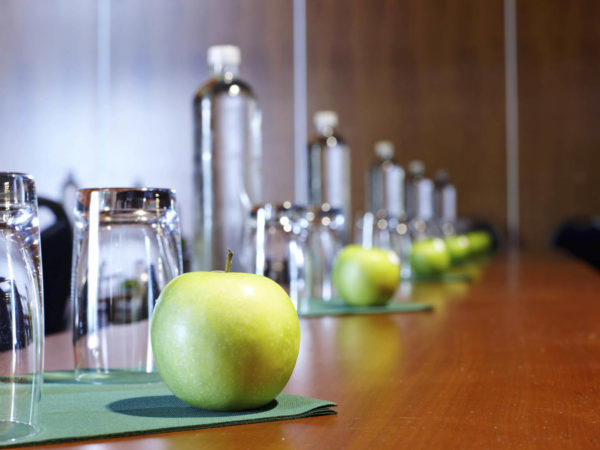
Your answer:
<point x="127" y="248"/>
<point x="274" y="246"/>
<point x="325" y="240"/>
<point x="21" y="308"/>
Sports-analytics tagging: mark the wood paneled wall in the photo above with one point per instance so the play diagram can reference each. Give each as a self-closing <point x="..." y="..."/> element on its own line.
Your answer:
<point x="428" y="75"/>
<point x="559" y="114"/>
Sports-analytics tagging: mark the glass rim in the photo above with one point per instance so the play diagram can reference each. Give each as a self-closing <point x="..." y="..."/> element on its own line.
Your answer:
<point x="124" y="189"/>
<point x="10" y="176"/>
<point x="127" y="198"/>
<point x="17" y="189"/>
<point x="279" y="206"/>
<point x="325" y="210"/>
<point x="16" y="173"/>
<point x="277" y="210"/>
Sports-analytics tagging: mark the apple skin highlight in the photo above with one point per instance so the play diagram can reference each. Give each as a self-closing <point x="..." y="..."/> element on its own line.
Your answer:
<point x="430" y="257"/>
<point x="225" y="341"/>
<point x="366" y="277"/>
<point x="458" y="248"/>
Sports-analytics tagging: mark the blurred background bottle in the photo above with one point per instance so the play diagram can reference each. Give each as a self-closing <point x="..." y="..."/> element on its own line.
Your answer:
<point x="422" y="225"/>
<point x="445" y="203"/>
<point x="428" y="254"/>
<point x="386" y="182"/>
<point x="416" y="172"/>
<point x="329" y="168"/>
<point x="227" y="159"/>
<point x="384" y="224"/>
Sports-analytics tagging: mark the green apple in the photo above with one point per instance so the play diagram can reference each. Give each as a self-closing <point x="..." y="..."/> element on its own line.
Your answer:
<point x="364" y="277"/>
<point x="458" y="247"/>
<point x="480" y="242"/>
<point x="225" y="341"/>
<point x="429" y="257"/>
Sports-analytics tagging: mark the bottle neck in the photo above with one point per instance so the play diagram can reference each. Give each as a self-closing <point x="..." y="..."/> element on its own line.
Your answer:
<point x="226" y="71"/>
<point x="325" y="130"/>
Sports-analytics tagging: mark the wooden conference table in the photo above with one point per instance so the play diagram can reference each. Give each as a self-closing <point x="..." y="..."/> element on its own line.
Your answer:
<point x="509" y="360"/>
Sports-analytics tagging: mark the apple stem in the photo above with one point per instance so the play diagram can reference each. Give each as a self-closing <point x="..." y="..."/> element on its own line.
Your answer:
<point x="229" y="259"/>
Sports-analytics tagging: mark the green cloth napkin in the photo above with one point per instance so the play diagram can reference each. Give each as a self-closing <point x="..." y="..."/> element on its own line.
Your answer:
<point x="72" y="411"/>
<point x="318" y="308"/>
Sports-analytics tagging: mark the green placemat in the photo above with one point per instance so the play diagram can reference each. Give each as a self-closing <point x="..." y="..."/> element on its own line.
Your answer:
<point x="72" y="411"/>
<point x="337" y="308"/>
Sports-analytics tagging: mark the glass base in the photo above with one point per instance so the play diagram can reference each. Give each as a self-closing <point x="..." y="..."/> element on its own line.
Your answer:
<point x="13" y="431"/>
<point x="116" y="376"/>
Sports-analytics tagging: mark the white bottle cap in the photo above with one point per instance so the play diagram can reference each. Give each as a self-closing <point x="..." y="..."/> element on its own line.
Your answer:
<point x="416" y="167"/>
<point x="325" y="119"/>
<point x="384" y="149"/>
<point x="221" y="55"/>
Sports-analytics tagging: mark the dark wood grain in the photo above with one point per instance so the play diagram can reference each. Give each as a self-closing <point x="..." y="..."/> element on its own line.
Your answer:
<point x="429" y="76"/>
<point x="509" y="361"/>
<point x="559" y="95"/>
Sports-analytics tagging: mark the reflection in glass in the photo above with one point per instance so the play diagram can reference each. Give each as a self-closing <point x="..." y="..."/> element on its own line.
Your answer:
<point x="127" y="248"/>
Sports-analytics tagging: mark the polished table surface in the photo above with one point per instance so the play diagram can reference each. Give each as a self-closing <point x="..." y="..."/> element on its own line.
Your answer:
<point x="510" y="360"/>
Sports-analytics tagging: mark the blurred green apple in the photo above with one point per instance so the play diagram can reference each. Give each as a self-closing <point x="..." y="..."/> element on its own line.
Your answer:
<point x="364" y="277"/>
<point x="480" y="242"/>
<point x="225" y="341"/>
<point x="458" y="248"/>
<point x="429" y="257"/>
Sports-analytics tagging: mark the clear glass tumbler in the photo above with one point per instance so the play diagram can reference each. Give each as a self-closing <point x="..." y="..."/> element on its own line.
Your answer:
<point x="21" y="308"/>
<point x="127" y="248"/>
<point x="385" y="231"/>
<point x="274" y="246"/>
<point x="325" y="240"/>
